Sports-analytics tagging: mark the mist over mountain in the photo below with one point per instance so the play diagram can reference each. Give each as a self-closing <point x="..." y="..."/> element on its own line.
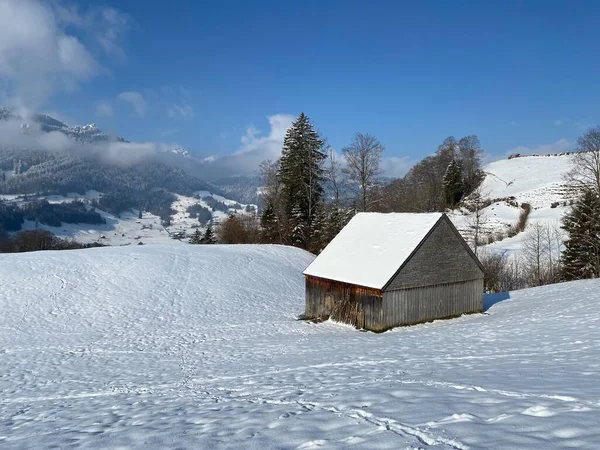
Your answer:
<point x="40" y="155"/>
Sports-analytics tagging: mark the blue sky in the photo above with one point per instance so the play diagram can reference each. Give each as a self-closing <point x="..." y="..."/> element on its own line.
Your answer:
<point x="205" y="74"/>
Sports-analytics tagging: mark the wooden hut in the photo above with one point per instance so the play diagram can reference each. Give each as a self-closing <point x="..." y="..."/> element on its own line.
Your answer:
<point x="387" y="270"/>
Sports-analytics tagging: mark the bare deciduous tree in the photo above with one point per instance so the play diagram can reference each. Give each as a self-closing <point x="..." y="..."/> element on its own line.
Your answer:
<point x="535" y="252"/>
<point x="470" y="155"/>
<point x="271" y="195"/>
<point x="238" y="229"/>
<point x="541" y="249"/>
<point x="502" y="272"/>
<point x="586" y="162"/>
<point x="333" y="172"/>
<point x="363" y="165"/>
<point x="477" y="203"/>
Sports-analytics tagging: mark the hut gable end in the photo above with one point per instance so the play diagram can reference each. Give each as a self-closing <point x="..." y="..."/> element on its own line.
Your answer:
<point x="369" y="250"/>
<point x="388" y="270"/>
<point x="442" y="257"/>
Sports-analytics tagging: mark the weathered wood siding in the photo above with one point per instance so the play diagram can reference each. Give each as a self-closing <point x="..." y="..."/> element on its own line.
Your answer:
<point x="442" y="279"/>
<point x="441" y="258"/>
<point x="372" y="310"/>
<point x="355" y="305"/>
<point x="426" y="303"/>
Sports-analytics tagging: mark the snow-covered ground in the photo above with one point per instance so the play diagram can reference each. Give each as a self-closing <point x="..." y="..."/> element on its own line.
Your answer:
<point x="174" y="346"/>
<point x="536" y="180"/>
<point x="128" y="228"/>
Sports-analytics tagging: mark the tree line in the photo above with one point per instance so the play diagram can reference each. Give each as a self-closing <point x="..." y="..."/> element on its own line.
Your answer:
<point x="311" y="192"/>
<point x="147" y="185"/>
<point x="36" y="240"/>
<point x="13" y="216"/>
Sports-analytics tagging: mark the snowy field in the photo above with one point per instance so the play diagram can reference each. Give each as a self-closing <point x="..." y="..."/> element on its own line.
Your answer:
<point x="128" y="228"/>
<point x="175" y="346"/>
<point x="537" y="180"/>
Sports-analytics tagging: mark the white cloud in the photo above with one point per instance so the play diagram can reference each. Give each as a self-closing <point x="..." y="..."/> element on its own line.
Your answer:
<point x="40" y="54"/>
<point x="578" y="125"/>
<point x="146" y="101"/>
<point x="270" y="145"/>
<point x="13" y="134"/>
<point x="396" y="166"/>
<point x="182" y="110"/>
<point x="254" y="149"/>
<point x="136" y="100"/>
<point x="562" y="145"/>
<point x="104" y="109"/>
<point x="110" y="35"/>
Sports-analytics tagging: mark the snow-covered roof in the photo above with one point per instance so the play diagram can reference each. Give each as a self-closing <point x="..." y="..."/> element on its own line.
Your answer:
<point x="372" y="247"/>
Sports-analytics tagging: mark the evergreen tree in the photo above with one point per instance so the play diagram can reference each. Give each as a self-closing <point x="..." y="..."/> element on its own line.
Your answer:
<point x="269" y="225"/>
<point x="581" y="257"/>
<point x="196" y="237"/>
<point x="453" y="183"/>
<point x="140" y="214"/>
<point x="470" y="154"/>
<point x="337" y="219"/>
<point x="319" y="230"/>
<point x="209" y="236"/>
<point x="301" y="175"/>
<point x="298" y="227"/>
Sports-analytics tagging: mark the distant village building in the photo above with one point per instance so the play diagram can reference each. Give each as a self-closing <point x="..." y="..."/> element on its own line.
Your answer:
<point x="387" y="270"/>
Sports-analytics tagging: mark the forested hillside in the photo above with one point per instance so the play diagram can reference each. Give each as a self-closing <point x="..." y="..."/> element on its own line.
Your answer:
<point x="147" y="185"/>
<point x="83" y="162"/>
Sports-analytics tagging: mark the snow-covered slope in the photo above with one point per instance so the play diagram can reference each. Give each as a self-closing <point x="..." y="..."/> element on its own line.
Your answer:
<point x="171" y="346"/>
<point x="535" y="180"/>
<point x="128" y="228"/>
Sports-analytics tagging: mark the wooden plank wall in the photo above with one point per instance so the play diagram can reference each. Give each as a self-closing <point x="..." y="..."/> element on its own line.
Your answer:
<point x="422" y="304"/>
<point x="325" y="296"/>
<point x="441" y="258"/>
<point x="371" y="310"/>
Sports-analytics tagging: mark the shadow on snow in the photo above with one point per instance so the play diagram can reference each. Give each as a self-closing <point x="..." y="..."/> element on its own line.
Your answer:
<point x="490" y="300"/>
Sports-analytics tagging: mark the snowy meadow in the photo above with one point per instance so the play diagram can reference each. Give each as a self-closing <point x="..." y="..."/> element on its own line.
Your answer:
<point x="173" y="346"/>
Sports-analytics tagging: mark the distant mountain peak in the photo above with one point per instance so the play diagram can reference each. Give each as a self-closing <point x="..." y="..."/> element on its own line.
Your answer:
<point x="86" y="134"/>
<point x="178" y="151"/>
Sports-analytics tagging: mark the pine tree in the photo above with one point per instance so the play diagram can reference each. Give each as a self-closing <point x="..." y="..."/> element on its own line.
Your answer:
<point x="301" y="175"/>
<point x="298" y="227"/>
<point x="196" y="237"/>
<point x="269" y="225"/>
<point x="581" y="257"/>
<point x="453" y="183"/>
<point x="140" y="214"/>
<point x="337" y="219"/>
<point x="209" y="236"/>
<point x="318" y="230"/>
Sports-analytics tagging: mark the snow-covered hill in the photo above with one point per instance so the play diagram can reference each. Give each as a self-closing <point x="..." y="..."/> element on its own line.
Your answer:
<point x="171" y="346"/>
<point x="128" y="228"/>
<point x="535" y="180"/>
